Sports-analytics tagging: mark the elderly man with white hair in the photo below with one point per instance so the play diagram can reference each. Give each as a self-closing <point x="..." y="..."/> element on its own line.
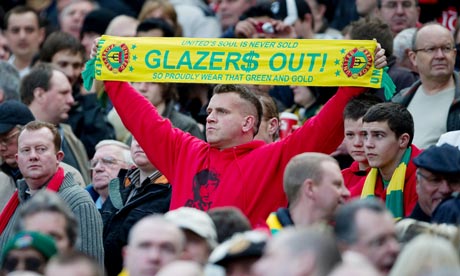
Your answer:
<point x="110" y="157"/>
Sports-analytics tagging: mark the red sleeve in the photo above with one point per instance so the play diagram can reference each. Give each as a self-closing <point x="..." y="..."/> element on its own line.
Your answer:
<point x="156" y="136"/>
<point x="323" y="132"/>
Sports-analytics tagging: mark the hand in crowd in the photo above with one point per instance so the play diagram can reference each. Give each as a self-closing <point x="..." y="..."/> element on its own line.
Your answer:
<point x="94" y="48"/>
<point x="380" y="58"/>
<point x="251" y="28"/>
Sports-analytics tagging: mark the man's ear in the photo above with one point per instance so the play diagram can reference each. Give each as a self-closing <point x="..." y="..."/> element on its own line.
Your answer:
<point x="308" y="188"/>
<point x="39" y="94"/>
<point x="42" y="34"/>
<point x="404" y="140"/>
<point x="60" y="156"/>
<point x="273" y="126"/>
<point x="248" y="123"/>
<point x="412" y="56"/>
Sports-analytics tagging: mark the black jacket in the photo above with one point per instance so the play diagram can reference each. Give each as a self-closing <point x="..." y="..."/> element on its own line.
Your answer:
<point x="119" y="214"/>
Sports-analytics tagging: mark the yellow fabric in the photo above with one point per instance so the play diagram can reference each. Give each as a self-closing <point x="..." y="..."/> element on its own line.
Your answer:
<point x="273" y="223"/>
<point x="245" y="61"/>
<point x="394" y="194"/>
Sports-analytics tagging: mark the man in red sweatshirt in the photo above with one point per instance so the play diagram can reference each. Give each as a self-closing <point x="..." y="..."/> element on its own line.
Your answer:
<point x="231" y="168"/>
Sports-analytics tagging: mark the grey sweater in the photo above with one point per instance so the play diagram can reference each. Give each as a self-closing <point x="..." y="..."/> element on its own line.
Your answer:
<point x="79" y="201"/>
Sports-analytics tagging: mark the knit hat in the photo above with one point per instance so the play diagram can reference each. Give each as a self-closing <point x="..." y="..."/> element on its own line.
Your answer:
<point x="14" y="113"/>
<point x="195" y="220"/>
<point x="27" y="239"/>
<point x="97" y="21"/>
<point x="290" y="10"/>
<point x="444" y="159"/>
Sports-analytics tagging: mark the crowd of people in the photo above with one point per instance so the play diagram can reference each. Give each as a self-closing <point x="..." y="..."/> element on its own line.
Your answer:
<point x="148" y="178"/>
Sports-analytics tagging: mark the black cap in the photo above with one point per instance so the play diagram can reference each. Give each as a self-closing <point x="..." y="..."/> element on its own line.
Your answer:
<point x="97" y="21"/>
<point x="290" y="10"/>
<point x="444" y="159"/>
<point x="14" y="113"/>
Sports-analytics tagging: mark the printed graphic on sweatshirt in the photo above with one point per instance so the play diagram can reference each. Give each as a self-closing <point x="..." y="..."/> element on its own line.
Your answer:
<point x="205" y="183"/>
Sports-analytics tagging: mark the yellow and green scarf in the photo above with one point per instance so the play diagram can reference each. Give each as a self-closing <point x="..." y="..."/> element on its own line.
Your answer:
<point x="395" y="190"/>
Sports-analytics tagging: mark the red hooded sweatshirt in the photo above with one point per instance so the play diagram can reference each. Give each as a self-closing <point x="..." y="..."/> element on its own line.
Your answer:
<point x="248" y="176"/>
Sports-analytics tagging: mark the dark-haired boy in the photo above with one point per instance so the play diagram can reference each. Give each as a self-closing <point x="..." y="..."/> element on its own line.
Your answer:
<point x="388" y="132"/>
<point x="354" y="137"/>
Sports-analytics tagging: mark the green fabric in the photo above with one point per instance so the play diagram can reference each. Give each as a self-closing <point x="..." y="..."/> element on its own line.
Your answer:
<point x="395" y="191"/>
<point x="88" y="74"/>
<point x="388" y="85"/>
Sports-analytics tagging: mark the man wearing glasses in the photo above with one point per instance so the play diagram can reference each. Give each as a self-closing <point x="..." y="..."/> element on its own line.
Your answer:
<point x="13" y="114"/>
<point x="399" y="15"/>
<point x="438" y="172"/>
<point x="110" y="157"/>
<point x="433" y="100"/>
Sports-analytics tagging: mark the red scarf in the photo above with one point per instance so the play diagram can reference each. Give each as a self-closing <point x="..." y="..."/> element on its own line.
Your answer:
<point x="53" y="185"/>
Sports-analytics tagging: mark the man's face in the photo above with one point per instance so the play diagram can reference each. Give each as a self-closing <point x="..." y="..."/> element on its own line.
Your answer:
<point x="51" y="223"/>
<point x="196" y="248"/>
<point x="303" y="96"/>
<point x="229" y="11"/>
<point x="139" y="157"/>
<point x="87" y="40"/>
<point x="378" y="244"/>
<point x="366" y="7"/>
<point x="399" y="14"/>
<point x="146" y="254"/>
<point x="9" y="147"/>
<point x="37" y="157"/>
<point x="354" y="139"/>
<point x="431" y="190"/>
<point x="331" y="191"/>
<point x="58" y="99"/>
<point x="433" y="63"/>
<point x="5" y="51"/>
<point x="72" y="17"/>
<point x="71" y="64"/>
<point x="24" y="34"/>
<point x="381" y="145"/>
<point x="225" y="120"/>
<point x="151" y="91"/>
<point x="110" y="161"/>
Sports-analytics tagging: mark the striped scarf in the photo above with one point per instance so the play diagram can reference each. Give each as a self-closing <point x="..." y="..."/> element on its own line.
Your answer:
<point x="395" y="190"/>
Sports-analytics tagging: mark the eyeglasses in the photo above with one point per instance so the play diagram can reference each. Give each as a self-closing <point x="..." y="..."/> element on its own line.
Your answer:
<point x="5" y="141"/>
<point x="394" y="5"/>
<point x="431" y="50"/>
<point x="30" y="263"/>
<point x="105" y="161"/>
<point x="451" y="180"/>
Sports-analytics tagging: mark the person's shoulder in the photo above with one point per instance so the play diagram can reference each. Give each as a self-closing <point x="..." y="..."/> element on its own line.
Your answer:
<point x="72" y="193"/>
<point x="448" y="211"/>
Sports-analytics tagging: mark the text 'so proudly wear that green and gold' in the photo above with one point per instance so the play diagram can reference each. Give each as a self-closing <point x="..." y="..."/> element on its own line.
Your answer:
<point x="300" y="62"/>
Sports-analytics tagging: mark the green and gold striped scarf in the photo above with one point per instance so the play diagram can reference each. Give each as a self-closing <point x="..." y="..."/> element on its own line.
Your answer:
<point x="395" y="197"/>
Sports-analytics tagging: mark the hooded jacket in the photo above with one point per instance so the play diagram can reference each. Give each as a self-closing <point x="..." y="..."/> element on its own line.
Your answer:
<point x="248" y="176"/>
